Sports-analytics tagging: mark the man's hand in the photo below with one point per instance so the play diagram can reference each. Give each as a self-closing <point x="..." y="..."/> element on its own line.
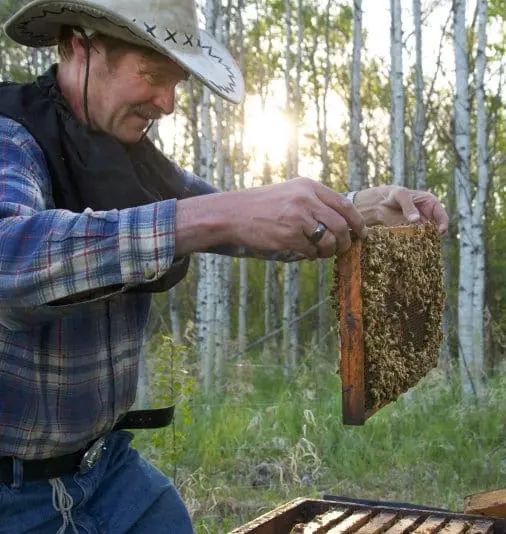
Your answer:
<point x="391" y="205"/>
<point x="280" y="217"/>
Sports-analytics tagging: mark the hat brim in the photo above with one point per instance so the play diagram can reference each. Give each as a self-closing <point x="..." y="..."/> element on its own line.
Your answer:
<point x="38" y="24"/>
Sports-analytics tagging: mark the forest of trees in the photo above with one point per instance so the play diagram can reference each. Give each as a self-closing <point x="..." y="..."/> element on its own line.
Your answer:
<point x="310" y="59"/>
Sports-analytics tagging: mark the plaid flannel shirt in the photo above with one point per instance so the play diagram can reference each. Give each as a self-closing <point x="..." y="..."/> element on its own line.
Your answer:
<point x="68" y="371"/>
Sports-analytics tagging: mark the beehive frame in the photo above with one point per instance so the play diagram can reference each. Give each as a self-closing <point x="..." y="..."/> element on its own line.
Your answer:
<point x="349" y="304"/>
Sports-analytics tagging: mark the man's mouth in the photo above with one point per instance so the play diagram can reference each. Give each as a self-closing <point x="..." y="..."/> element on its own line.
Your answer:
<point x="148" y="115"/>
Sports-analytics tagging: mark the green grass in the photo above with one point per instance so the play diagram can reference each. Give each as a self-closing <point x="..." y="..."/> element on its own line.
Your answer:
<point x="269" y="440"/>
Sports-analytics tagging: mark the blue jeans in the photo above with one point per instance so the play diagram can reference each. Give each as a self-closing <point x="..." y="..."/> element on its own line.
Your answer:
<point x="121" y="493"/>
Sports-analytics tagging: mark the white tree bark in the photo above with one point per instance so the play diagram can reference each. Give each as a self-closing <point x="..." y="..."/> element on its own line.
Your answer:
<point x="291" y="270"/>
<point x="420" y="181"/>
<point x="175" y="323"/>
<point x="142" y="394"/>
<point x="206" y="289"/>
<point x="287" y="277"/>
<point x="481" y="194"/>
<point x="397" y="94"/>
<point x="242" y="334"/>
<point x="228" y="185"/>
<point x="199" y="167"/>
<point x="210" y="319"/>
<point x="322" y="289"/>
<point x="354" y="147"/>
<point x="271" y="303"/>
<point x="464" y="196"/>
<point x="219" y="282"/>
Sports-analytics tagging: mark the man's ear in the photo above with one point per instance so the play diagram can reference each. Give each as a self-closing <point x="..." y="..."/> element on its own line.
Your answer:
<point x="79" y="47"/>
<point x="80" y="43"/>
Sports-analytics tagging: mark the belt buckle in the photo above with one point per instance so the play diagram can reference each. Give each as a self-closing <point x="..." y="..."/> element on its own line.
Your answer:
<point x="92" y="456"/>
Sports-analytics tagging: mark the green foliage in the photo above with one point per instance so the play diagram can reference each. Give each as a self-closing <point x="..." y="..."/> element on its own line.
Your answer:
<point x="172" y="383"/>
<point x="271" y="439"/>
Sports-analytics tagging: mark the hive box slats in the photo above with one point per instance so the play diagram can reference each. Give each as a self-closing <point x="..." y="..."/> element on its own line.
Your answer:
<point x="403" y="524"/>
<point x="455" y="527"/>
<point x="378" y="523"/>
<point x="321" y="525"/>
<point x="481" y="527"/>
<point x="431" y="524"/>
<point x="285" y="517"/>
<point x="351" y="523"/>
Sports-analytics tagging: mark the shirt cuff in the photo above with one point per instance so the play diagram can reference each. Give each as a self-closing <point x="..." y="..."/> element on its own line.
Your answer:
<point x="147" y="241"/>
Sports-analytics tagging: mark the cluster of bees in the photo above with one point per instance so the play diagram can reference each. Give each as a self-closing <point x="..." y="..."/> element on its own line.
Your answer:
<point x="402" y="292"/>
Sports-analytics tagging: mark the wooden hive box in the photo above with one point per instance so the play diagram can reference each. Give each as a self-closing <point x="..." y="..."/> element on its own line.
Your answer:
<point x="313" y="516"/>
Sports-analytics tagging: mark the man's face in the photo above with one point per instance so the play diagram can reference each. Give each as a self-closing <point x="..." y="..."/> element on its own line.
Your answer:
<point x="126" y="94"/>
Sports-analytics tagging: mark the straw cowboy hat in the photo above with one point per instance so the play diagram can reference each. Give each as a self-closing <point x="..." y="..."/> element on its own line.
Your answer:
<point x="168" y="26"/>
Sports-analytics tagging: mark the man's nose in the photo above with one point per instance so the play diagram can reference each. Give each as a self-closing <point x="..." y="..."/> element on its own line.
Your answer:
<point x="165" y="99"/>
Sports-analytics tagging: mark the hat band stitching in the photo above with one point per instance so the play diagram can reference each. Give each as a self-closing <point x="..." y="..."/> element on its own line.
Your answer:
<point x="150" y="30"/>
<point x="171" y="36"/>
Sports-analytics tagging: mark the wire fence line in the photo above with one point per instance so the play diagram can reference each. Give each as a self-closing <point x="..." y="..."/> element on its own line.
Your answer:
<point x="280" y="329"/>
<point x="262" y="339"/>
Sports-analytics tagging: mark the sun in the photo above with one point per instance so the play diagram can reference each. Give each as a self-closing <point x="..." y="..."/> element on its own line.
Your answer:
<point x="266" y="135"/>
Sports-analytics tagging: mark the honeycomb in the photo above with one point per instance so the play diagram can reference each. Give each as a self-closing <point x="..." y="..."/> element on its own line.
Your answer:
<point x="402" y="302"/>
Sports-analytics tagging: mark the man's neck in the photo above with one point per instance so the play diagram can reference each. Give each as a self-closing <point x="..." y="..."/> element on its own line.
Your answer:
<point x="68" y="77"/>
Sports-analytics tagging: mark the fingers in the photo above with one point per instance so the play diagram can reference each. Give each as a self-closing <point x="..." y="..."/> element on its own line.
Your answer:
<point x="337" y="237"/>
<point x="344" y="208"/>
<point x="403" y="198"/>
<point x="440" y="217"/>
<point x="415" y="206"/>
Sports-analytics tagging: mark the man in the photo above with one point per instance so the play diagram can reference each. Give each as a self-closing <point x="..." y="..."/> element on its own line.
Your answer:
<point x="93" y="219"/>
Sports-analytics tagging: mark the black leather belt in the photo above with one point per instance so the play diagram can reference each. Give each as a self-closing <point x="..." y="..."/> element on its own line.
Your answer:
<point x="84" y="459"/>
<point x="146" y="419"/>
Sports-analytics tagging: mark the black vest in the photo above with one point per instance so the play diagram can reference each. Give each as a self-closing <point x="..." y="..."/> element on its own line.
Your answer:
<point x="91" y="168"/>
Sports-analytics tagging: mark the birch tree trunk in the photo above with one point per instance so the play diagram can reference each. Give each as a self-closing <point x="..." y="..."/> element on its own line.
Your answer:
<point x="271" y="283"/>
<point x="228" y="185"/>
<point x="199" y="167"/>
<point x="205" y="303"/>
<point x="207" y="262"/>
<point x="291" y="270"/>
<point x="175" y="323"/>
<point x="481" y="196"/>
<point x="322" y="287"/>
<point x="420" y="180"/>
<point x="397" y="94"/>
<point x="219" y="282"/>
<point x="354" y="147"/>
<point x="271" y="291"/>
<point x="142" y="394"/>
<point x="207" y="267"/>
<point x="464" y="196"/>
<point x="242" y="338"/>
<point x="195" y="97"/>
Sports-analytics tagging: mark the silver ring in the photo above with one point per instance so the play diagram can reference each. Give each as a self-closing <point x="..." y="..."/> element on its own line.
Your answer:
<point x="317" y="235"/>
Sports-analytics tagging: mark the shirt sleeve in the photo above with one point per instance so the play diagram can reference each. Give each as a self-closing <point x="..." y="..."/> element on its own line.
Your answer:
<point x="194" y="186"/>
<point x="51" y="254"/>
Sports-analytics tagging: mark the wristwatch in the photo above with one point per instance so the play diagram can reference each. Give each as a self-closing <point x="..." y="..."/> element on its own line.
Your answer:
<point x="350" y="195"/>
